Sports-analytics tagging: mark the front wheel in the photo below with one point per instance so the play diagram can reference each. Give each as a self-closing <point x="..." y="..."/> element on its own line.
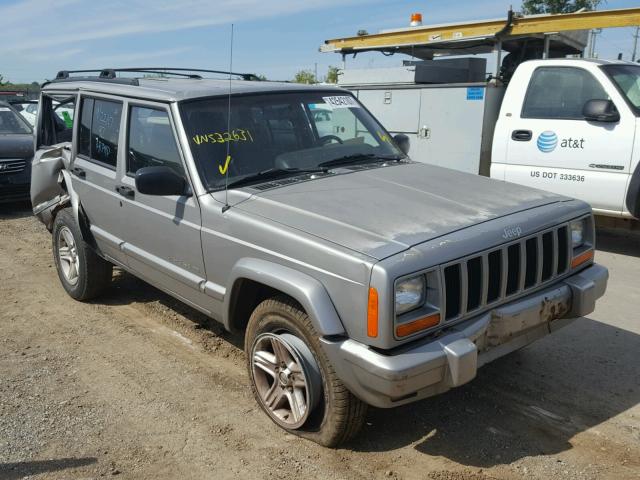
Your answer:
<point x="83" y="274"/>
<point x="292" y="379"/>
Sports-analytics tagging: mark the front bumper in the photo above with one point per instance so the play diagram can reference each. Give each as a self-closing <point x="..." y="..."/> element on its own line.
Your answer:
<point x="451" y="359"/>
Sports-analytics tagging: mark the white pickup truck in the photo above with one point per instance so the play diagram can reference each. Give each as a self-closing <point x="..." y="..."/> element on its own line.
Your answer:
<point x="571" y="127"/>
<point x="562" y="125"/>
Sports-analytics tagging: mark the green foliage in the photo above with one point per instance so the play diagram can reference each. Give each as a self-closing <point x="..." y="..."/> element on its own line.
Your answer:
<point x="1" y="80"/>
<point x="305" y="76"/>
<point x="535" y="7"/>
<point x="332" y="75"/>
<point x="262" y="77"/>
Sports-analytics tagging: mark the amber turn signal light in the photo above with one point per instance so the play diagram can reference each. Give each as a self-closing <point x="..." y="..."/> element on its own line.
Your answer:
<point x="582" y="258"/>
<point x="410" y="328"/>
<point x="372" y="313"/>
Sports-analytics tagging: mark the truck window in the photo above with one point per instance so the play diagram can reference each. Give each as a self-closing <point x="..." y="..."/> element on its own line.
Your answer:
<point x="627" y="79"/>
<point x="151" y="140"/>
<point x="560" y="93"/>
<point x="99" y="131"/>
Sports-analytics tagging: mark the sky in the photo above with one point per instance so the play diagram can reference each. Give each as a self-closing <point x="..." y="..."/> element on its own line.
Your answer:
<point x="275" y="38"/>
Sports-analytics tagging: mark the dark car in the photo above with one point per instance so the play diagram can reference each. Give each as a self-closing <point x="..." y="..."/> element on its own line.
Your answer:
<point x="16" y="153"/>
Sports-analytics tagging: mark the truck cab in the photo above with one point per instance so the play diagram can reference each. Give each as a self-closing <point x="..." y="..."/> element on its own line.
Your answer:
<point x="569" y="126"/>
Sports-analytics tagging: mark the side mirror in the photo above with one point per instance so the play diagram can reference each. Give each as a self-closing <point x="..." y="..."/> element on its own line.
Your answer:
<point x="403" y="143"/>
<point x="600" y="111"/>
<point x="160" y="181"/>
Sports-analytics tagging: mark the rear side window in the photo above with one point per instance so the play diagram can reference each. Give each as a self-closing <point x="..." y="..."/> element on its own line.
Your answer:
<point x="560" y="93"/>
<point x="99" y="131"/>
<point x="56" y="124"/>
<point x="151" y="140"/>
<point x="84" y="133"/>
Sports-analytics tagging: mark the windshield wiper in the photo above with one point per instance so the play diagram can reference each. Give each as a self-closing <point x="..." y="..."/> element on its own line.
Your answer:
<point x="358" y="158"/>
<point x="272" y="174"/>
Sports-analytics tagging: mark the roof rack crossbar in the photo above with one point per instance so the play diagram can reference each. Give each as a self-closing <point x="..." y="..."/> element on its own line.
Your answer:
<point x="110" y="73"/>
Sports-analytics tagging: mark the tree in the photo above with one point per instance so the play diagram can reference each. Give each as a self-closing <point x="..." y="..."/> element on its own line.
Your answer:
<point x="2" y="80"/>
<point x="332" y="75"/>
<point x="305" y="76"/>
<point x="535" y="7"/>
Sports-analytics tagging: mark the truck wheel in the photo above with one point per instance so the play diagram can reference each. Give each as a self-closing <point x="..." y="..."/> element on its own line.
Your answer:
<point x="292" y="379"/>
<point x="83" y="274"/>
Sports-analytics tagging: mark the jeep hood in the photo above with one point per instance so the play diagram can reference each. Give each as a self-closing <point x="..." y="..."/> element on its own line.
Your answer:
<point x="382" y="211"/>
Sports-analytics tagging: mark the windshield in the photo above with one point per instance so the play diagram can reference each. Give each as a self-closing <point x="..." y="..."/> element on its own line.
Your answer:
<point x="11" y="122"/>
<point x="288" y="133"/>
<point x="627" y="79"/>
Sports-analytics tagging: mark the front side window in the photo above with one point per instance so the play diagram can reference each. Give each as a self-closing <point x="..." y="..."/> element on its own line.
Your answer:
<point x="561" y="93"/>
<point x="12" y="123"/>
<point x="627" y="79"/>
<point x="99" y="130"/>
<point x="283" y="131"/>
<point x="151" y="140"/>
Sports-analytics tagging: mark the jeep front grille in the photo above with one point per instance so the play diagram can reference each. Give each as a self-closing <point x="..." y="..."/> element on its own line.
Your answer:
<point x="12" y="166"/>
<point x="495" y="275"/>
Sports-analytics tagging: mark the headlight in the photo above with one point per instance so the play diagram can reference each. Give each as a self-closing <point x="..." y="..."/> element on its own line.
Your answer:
<point x="577" y="233"/>
<point x="410" y="294"/>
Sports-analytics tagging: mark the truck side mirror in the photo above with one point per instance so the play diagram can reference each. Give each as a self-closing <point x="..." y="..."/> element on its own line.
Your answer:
<point x="600" y="111"/>
<point x="160" y="181"/>
<point x="403" y="143"/>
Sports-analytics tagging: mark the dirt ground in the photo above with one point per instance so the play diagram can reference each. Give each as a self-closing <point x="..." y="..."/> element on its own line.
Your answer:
<point x="138" y="386"/>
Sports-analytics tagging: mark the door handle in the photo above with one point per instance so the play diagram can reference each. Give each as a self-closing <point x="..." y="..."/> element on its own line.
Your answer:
<point x="521" y="135"/>
<point x="126" y="192"/>
<point x="78" y="172"/>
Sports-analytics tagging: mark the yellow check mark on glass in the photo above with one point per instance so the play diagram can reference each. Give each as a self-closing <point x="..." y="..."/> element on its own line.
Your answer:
<point x="224" y="169"/>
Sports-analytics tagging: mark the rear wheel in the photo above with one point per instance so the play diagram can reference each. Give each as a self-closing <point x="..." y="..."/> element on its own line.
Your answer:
<point x="292" y="379"/>
<point x="83" y="274"/>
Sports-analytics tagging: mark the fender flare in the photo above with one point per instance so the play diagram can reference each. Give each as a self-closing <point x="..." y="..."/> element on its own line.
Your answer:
<point x="306" y="290"/>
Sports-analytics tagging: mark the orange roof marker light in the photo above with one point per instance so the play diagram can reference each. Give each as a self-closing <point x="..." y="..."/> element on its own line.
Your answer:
<point x="416" y="20"/>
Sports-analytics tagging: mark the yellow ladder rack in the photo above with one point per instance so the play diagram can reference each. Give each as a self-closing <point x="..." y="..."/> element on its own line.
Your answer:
<point x="523" y="25"/>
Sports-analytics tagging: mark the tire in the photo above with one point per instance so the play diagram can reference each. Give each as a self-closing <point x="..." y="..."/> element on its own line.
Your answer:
<point x="73" y="255"/>
<point x="337" y="415"/>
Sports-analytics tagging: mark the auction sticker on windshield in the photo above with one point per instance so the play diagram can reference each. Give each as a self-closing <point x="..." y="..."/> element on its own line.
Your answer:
<point x="343" y="101"/>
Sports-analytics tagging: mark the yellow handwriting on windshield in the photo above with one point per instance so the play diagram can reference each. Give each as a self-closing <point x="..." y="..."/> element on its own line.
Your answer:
<point x="223" y="170"/>
<point x="236" y="135"/>
<point x="383" y="137"/>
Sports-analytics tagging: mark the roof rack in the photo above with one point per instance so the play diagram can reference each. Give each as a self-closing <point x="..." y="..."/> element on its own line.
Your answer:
<point x="110" y="74"/>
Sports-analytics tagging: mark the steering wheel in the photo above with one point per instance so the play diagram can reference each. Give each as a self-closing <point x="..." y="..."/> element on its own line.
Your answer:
<point x="324" y="140"/>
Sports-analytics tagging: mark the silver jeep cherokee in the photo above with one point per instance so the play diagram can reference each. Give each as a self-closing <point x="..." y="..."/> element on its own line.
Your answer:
<point x="289" y="213"/>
